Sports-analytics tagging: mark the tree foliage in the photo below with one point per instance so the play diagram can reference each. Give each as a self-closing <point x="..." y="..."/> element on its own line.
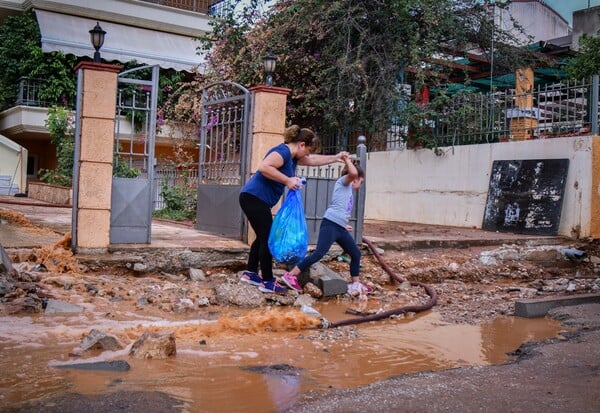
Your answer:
<point x="587" y="62"/>
<point x="21" y="55"/>
<point x="344" y="59"/>
<point x="61" y="125"/>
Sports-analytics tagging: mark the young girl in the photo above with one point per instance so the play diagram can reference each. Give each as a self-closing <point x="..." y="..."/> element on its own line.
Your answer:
<point x="335" y="228"/>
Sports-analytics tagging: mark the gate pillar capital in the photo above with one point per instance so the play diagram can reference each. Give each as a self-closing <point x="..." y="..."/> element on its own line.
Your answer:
<point x="97" y="84"/>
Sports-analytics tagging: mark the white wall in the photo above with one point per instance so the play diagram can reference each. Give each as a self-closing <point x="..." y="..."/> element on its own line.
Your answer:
<point x="537" y="20"/>
<point x="418" y="186"/>
<point x="586" y="21"/>
<point x="13" y="163"/>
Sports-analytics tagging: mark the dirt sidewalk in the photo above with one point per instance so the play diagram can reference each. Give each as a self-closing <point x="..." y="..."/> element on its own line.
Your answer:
<point x="165" y="234"/>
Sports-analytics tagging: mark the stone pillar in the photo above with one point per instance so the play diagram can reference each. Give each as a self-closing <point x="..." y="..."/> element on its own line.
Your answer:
<point x="524" y="117"/>
<point x="267" y="125"/>
<point x="97" y="125"/>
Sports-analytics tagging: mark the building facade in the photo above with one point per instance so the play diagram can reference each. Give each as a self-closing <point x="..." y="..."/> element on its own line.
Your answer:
<point x="149" y="32"/>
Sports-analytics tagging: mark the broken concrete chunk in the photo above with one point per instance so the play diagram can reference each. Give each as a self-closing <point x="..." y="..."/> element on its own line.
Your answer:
<point x="101" y="340"/>
<point x="5" y="263"/>
<point x="115" y="365"/>
<point x="154" y="346"/>
<point x="197" y="274"/>
<point x="139" y="267"/>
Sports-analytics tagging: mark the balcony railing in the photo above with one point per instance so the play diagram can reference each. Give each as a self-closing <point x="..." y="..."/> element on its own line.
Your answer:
<point x="200" y="6"/>
<point x="29" y="92"/>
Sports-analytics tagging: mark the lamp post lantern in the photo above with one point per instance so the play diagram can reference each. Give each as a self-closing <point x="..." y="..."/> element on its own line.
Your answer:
<point x="269" y="62"/>
<point x="97" y="39"/>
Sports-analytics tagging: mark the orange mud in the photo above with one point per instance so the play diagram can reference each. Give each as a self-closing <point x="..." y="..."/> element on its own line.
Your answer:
<point x="255" y="322"/>
<point x="18" y="218"/>
<point x="57" y="259"/>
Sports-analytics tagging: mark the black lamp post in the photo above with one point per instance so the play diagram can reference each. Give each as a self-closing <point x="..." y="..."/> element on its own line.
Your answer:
<point x="269" y="62"/>
<point x="97" y="38"/>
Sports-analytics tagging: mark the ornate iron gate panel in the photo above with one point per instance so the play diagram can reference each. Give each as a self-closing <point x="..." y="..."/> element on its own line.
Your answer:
<point x="222" y="158"/>
<point x="133" y="162"/>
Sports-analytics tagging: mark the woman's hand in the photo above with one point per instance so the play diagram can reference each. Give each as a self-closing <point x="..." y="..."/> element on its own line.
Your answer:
<point x="293" y="183"/>
<point x="342" y="156"/>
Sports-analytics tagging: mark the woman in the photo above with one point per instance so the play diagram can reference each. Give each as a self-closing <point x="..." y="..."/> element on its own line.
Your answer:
<point x="276" y="172"/>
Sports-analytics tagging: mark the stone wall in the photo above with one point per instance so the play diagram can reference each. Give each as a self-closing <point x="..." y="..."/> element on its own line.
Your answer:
<point x="50" y="193"/>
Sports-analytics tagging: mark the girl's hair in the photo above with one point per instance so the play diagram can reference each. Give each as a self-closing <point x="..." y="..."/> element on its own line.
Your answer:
<point x="359" y="170"/>
<point x="294" y="134"/>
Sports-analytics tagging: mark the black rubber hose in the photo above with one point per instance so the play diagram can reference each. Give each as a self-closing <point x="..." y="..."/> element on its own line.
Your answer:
<point x="410" y="308"/>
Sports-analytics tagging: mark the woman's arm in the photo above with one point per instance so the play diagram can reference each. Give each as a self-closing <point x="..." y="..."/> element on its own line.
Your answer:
<point x="319" y="160"/>
<point x="269" y="167"/>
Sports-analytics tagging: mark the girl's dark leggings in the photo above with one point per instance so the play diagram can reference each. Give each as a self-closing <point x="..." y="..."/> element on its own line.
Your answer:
<point x="260" y="218"/>
<point x="329" y="233"/>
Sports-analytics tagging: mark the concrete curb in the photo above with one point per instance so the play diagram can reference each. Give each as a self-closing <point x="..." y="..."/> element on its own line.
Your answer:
<point x="464" y="243"/>
<point x="539" y="307"/>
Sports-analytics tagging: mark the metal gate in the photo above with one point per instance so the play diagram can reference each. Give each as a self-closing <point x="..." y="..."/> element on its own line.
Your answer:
<point x="133" y="161"/>
<point x="222" y="158"/>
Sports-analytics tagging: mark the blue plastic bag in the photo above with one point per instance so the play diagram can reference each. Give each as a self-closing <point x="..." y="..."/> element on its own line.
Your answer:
<point x="288" y="239"/>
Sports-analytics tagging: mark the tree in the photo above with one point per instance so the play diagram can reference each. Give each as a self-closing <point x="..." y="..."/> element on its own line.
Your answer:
<point x="344" y="59"/>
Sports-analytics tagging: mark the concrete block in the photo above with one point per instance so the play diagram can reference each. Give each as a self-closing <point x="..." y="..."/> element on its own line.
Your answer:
<point x="97" y="141"/>
<point x="95" y="185"/>
<point x="57" y="307"/>
<point x="532" y="308"/>
<point x="5" y="262"/>
<point x="329" y="281"/>
<point x="93" y="229"/>
<point x="99" y="94"/>
<point x="268" y="115"/>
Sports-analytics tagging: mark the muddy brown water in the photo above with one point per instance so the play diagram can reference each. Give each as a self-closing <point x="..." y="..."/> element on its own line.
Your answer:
<point x="219" y="366"/>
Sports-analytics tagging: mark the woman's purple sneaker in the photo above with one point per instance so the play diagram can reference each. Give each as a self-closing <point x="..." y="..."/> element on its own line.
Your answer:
<point x="251" y="278"/>
<point x="272" y="287"/>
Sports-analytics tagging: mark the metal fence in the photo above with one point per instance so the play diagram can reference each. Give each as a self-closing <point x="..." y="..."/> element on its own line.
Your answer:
<point x="561" y="109"/>
<point x="170" y="178"/>
<point x="566" y="108"/>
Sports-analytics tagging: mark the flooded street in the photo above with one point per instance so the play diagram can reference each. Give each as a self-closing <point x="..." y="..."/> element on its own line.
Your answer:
<point x="239" y="350"/>
<point x="259" y="361"/>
